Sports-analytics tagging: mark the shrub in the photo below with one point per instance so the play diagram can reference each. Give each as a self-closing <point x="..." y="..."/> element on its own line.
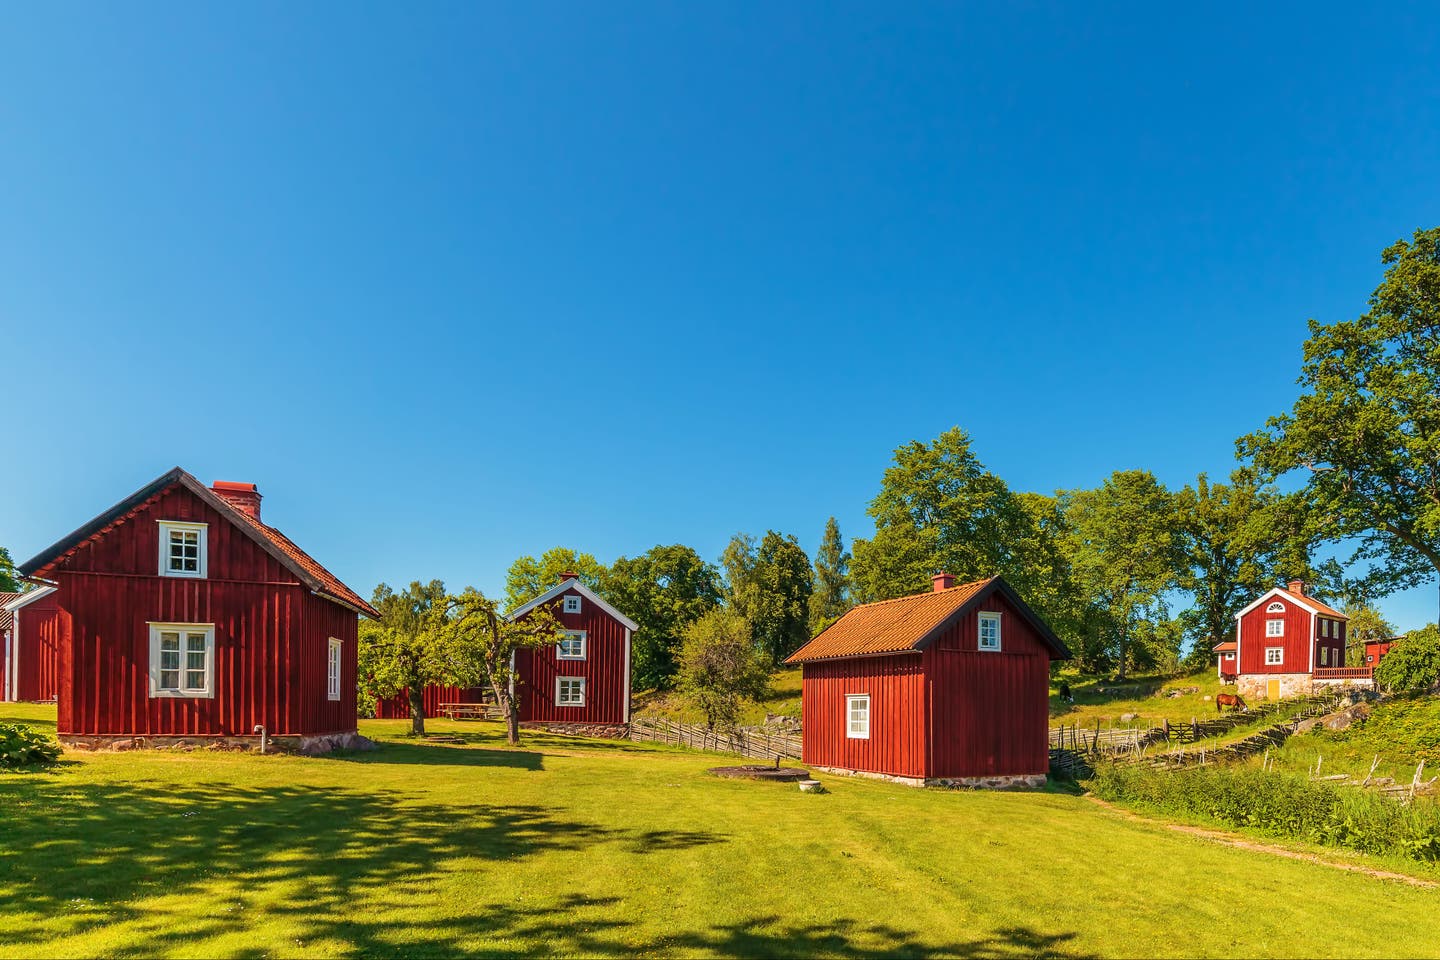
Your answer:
<point x="1280" y="804"/>
<point x="21" y="746"/>
<point x="1413" y="664"/>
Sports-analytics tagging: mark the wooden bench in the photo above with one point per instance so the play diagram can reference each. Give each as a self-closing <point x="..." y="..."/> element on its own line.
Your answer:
<point x="469" y="711"/>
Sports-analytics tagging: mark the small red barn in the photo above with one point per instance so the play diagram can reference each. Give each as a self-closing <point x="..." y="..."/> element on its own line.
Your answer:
<point x="1283" y="639"/>
<point x="28" y="621"/>
<point x="949" y="687"/>
<point x="181" y="615"/>
<point x="1375" y="650"/>
<point x="581" y="684"/>
<point x="1225" y="663"/>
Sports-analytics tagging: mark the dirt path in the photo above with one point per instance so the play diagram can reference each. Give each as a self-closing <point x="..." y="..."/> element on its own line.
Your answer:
<point x="1243" y="843"/>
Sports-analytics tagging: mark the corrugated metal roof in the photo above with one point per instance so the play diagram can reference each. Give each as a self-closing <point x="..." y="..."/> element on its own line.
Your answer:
<point x="888" y="626"/>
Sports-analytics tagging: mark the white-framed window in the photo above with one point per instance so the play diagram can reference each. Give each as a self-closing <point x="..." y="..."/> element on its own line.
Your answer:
<point x="332" y="669"/>
<point x="1229" y="656"/>
<point x="1274" y="656"/>
<point x="1324" y="656"/>
<point x="989" y="631"/>
<point x="857" y="716"/>
<point x="569" y="691"/>
<point x="572" y="604"/>
<point x="571" y="645"/>
<point x="1276" y="607"/>
<point x="182" y="660"/>
<point x="1274" y="628"/>
<point x="182" y="549"/>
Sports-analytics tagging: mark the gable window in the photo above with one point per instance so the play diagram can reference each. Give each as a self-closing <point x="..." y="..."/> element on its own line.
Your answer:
<point x="332" y="671"/>
<point x="570" y="691"/>
<point x="572" y="605"/>
<point x="1274" y="655"/>
<point x="182" y="660"/>
<point x="1274" y="628"/>
<point x="857" y="716"/>
<point x="989" y="631"/>
<point x="1276" y="607"/>
<point x="182" y="549"/>
<point x="571" y="645"/>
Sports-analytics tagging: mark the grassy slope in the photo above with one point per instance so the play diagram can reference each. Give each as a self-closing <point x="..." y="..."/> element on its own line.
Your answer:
<point x="1136" y="695"/>
<point x="783" y="699"/>
<point x="1400" y="732"/>
<point x="570" y="846"/>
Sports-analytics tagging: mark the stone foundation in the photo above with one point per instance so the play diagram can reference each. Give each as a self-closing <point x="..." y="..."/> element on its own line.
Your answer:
<point x="306" y="746"/>
<point x="1023" y="781"/>
<point x="598" y="731"/>
<point x="1256" y="686"/>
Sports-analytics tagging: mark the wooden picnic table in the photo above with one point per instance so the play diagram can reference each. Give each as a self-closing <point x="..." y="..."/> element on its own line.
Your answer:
<point x="469" y="711"/>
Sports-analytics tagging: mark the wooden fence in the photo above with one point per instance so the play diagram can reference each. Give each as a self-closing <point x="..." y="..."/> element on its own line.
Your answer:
<point x="746" y="743"/>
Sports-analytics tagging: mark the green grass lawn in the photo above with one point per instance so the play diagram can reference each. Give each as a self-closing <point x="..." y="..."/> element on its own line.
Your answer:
<point x="586" y="847"/>
<point x="783" y="698"/>
<point x="1135" y="695"/>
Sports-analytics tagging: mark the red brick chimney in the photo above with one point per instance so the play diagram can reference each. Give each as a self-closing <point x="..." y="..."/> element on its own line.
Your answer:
<point x="1297" y="586"/>
<point x="242" y="496"/>
<point x="942" y="581"/>
<point x="569" y="575"/>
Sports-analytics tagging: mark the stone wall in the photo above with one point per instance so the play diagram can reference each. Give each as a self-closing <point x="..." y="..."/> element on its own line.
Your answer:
<point x="599" y="731"/>
<point x="308" y="746"/>
<point x="1019" y="781"/>
<point x="1256" y="686"/>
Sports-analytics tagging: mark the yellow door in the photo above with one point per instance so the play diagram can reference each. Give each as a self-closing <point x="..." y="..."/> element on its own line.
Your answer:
<point x="1273" y="690"/>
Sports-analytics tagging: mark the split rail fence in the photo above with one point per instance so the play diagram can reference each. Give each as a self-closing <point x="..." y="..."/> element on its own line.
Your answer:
<point x="746" y="743"/>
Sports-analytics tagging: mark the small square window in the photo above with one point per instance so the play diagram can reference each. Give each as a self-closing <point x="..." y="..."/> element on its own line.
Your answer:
<point x="989" y="631"/>
<point x="1274" y="655"/>
<point x="572" y="604"/>
<point x="1274" y="628"/>
<point x="570" y="691"/>
<point x="182" y="549"/>
<point x="857" y="716"/>
<point x="571" y="645"/>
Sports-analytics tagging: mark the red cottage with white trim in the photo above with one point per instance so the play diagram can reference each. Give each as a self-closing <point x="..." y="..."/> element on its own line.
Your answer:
<point x="27" y="622"/>
<point x="1286" y="642"/>
<point x="581" y="684"/>
<point x="179" y="615"/>
<point x="950" y="687"/>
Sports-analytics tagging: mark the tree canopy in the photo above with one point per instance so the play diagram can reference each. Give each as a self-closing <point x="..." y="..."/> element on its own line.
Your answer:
<point x="8" y="583"/>
<point x="663" y="590"/>
<point x="831" y="596"/>
<point x="1413" y="664"/>
<point x="721" y="666"/>
<point x="404" y="650"/>
<point x="770" y="585"/>
<point x="528" y="577"/>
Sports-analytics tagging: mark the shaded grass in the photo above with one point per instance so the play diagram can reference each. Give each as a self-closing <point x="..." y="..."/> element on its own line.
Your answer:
<point x="570" y="847"/>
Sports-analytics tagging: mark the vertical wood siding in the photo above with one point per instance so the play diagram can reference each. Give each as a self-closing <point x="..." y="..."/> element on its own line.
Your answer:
<point x="607" y="681"/>
<point x="271" y="635"/>
<point x="398" y="706"/>
<point x="1296" y="642"/>
<point x="38" y="639"/>
<point x="896" y="685"/>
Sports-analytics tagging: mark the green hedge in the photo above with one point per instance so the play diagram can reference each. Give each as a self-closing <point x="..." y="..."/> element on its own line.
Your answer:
<point x="1280" y="804"/>
<point x="21" y="746"/>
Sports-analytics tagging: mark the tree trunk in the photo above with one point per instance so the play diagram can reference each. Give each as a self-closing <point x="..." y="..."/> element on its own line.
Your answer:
<point x="1124" y="638"/>
<point x="509" y="705"/>
<point x="417" y="710"/>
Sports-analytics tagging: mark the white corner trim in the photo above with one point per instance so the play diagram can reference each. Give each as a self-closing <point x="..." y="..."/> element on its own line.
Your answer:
<point x="580" y="588"/>
<point x="627" y="675"/>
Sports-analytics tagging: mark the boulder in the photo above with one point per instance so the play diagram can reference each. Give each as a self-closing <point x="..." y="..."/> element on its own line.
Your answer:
<point x="1127" y="717"/>
<point x="1347" y="718"/>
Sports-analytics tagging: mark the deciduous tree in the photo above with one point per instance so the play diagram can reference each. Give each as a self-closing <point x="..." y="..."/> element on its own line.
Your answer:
<point x="528" y="577"/>
<point x="8" y="583"/>
<point x="663" y="590"/>
<point x="721" y="666"/>
<point x="404" y="650"/>
<point x="1366" y="624"/>
<point x="831" y="596"/>
<point x="1413" y="664"/>
<point x="770" y="587"/>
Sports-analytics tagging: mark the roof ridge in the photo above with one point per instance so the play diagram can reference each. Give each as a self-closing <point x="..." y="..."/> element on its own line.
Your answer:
<point x="917" y="596"/>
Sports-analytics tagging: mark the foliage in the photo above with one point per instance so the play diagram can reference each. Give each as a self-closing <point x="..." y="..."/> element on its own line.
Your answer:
<point x="1413" y="664"/>
<point x="528" y="577"/>
<point x="1280" y="804"/>
<point x="403" y="651"/>
<point x="1125" y="552"/>
<point x="8" y="583"/>
<point x="770" y="587"/>
<point x="1366" y="624"/>
<point x="720" y="665"/>
<point x="21" y="746"/>
<point x="481" y="644"/>
<point x="831" y="597"/>
<point x="782" y="697"/>
<point x="663" y="590"/>
<point x="1366" y="431"/>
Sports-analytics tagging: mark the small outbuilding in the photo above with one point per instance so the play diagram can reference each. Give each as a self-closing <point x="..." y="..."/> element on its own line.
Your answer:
<point x="28" y="625"/>
<point x="949" y="688"/>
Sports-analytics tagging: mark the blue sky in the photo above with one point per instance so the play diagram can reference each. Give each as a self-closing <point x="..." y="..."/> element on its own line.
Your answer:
<point x="458" y="282"/>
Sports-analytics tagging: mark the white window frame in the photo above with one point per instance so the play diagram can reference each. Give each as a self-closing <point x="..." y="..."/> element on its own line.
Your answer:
<point x="1274" y="656"/>
<point x="1324" y="655"/>
<point x="851" y="701"/>
<point x="571" y="604"/>
<point x="1229" y="656"/>
<point x="568" y="635"/>
<point x="1276" y="607"/>
<point x="560" y="683"/>
<point x="334" y="668"/>
<point x="1274" y="628"/>
<point x="983" y="618"/>
<point x="202" y="559"/>
<point x="157" y="630"/>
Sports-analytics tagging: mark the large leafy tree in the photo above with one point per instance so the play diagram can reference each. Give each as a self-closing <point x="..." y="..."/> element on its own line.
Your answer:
<point x="481" y="644"/>
<point x="1413" y="664"/>
<point x="404" y="650"/>
<point x="721" y="667"/>
<point x="8" y="583"/>
<point x="529" y="577"/>
<point x="1125" y="551"/>
<point x="1365" y="433"/>
<point x="831" y="597"/>
<point x="663" y="590"/>
<point x="770" y="585"/>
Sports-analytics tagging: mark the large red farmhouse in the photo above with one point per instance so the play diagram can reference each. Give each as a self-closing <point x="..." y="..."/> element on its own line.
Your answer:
<point x="949" y="687"/>
<point x="28" y="623"/>
<point x="179" y="615"/>
<point x="1286" y="642"/>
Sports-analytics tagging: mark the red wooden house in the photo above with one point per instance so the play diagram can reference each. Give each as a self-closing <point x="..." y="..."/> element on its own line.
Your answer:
<point x="1375" y="650"/>
<point x="180" y="615"/>
<point x="28" y="622"/>
<point x="1286" y="641"/>
<point x="949" y="687"/>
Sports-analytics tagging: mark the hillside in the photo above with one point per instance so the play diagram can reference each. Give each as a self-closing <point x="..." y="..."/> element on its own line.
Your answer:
<point x="1401" y="733"/>
<point x="1151" y="698"/>
<point x="783" y="699"/>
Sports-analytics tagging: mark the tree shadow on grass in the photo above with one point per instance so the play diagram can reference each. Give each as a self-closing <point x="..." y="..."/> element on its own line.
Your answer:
<point x="772" y="937"/>
<point x="458" y="755"/>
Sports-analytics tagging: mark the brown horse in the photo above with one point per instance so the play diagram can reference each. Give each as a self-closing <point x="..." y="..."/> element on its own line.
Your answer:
<point x="1231" y="700"/>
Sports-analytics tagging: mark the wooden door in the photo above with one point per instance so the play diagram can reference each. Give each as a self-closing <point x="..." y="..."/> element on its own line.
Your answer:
<point x="1273" y="690"/>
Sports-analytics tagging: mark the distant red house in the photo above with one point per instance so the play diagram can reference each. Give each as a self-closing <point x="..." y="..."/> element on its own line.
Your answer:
<point x="1375" y="650"/>
<point x="949" y="687"/>
<point x="180" y="615"/>
<point x="1286" y="641"/>
<point x="27" y="621"/>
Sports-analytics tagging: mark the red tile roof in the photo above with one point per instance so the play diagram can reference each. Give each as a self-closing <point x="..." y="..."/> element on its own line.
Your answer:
<point x="330" y="584"/>
<point x="1226" y="646"/>
<point x="1325" y="610"/>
